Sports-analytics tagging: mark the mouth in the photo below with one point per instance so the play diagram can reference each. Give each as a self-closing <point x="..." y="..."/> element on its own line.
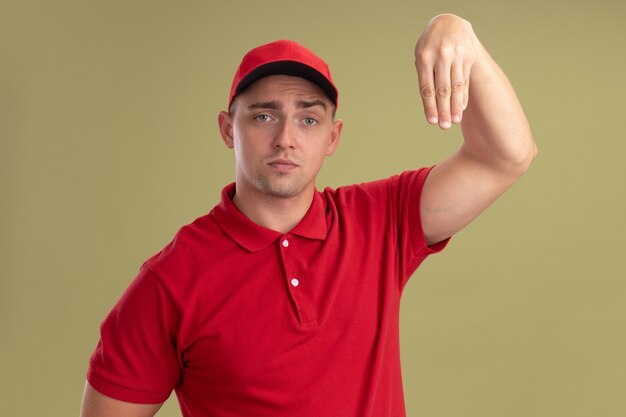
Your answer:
<point x="283" y="165"/>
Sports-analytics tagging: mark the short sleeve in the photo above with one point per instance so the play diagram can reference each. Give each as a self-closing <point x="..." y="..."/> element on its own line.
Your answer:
<point x="136" y="357"/>
<point x="410" y="232"/>
<point x="400" y="196"/>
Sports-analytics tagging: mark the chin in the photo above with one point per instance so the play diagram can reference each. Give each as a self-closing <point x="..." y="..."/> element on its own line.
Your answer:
<point x="280" y="190"/>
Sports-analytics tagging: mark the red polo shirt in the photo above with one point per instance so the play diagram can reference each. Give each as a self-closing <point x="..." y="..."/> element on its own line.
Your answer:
<point x="241" y="320"/>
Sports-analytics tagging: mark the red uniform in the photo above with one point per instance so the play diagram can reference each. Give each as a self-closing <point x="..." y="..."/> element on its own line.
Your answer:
<point x="241" y="320"/>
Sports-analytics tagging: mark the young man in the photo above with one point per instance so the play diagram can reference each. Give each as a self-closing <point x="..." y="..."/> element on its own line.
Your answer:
<point x="284" y="301"/>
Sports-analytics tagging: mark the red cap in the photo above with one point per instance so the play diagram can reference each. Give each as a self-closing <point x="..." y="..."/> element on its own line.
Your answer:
<point x="283" y="57"/>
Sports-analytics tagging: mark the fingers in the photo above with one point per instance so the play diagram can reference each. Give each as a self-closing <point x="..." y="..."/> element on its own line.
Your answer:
<point x="457" y="97"/>
<point x="444" y="55"/>
<point x="444" y="88"/>
<point x="443" y="93"/>
<point x="426" y="79"/>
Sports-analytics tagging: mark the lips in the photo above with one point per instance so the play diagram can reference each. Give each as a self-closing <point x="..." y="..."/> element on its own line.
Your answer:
<point x="283" y="164"/>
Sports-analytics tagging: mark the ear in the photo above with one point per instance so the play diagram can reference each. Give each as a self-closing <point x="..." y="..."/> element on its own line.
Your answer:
<point x="225" y="124"/>
<point x="335" y="134"/>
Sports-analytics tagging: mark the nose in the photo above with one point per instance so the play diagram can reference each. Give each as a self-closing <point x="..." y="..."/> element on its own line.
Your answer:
<point x="285" y="135"/>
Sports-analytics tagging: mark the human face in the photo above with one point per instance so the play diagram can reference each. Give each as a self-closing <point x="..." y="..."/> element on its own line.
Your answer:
<point x="281" y="128"/>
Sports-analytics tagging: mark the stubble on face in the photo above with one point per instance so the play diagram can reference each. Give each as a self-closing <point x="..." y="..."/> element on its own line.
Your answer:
<point x="270" y="181"/>
<point x="281" y="187"/>
<point x="262" y="175"/>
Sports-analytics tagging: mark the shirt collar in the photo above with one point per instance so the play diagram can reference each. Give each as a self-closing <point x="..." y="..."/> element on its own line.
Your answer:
<point x="254" y="237"/>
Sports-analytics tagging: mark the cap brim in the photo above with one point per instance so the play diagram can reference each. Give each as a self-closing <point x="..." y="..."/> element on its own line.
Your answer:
<point x="292" y="68"/>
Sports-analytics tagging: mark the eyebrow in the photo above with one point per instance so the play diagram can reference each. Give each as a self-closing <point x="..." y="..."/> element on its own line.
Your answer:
<point x="275" y="105"/>
<point x="303" y="104"/>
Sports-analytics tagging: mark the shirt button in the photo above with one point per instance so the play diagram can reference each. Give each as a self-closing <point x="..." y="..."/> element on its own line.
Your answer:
<point x="295" y="282"/>
<point x="285" y="243"/>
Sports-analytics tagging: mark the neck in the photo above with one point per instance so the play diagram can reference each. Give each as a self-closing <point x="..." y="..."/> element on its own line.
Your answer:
<point x="276" y="213"/>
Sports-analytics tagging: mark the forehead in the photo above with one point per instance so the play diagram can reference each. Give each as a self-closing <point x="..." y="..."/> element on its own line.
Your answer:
<point x="282" y="87"/>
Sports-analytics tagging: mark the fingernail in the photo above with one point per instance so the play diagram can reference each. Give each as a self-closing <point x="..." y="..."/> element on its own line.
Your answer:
<point x="456" y="118"/>
<point x="445" y="124"/>
<point x="433" y="120"/>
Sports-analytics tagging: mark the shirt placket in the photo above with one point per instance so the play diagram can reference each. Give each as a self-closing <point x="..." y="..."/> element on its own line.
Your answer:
<point x="297" y="282"/>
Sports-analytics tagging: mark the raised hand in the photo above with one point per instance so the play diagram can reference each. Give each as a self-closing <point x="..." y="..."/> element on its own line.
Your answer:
<point x="444" y="56"/>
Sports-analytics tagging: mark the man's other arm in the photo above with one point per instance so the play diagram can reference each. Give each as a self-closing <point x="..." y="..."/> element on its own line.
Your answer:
<point x="461" y="84"/>
<point x="96" y="404"/>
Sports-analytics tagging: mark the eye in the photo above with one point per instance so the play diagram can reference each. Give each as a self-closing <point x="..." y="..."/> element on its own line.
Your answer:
<point x="262" y="118"/>
<point x="309" y="121"/>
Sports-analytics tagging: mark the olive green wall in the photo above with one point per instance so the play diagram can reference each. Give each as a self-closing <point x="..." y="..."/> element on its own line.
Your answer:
<point x="108" y="143"/>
